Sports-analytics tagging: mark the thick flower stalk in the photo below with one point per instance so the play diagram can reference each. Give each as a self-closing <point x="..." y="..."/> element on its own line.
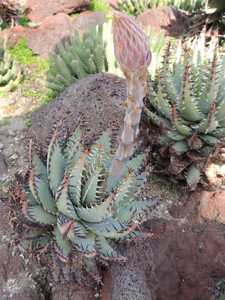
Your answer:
<point x="132" y="52"/>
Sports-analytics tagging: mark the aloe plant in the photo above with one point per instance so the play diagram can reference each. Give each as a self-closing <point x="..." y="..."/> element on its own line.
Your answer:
<point x="188" y="106"/>
<point x="133" y="7"/>
<point x="75" y="58"/>
<point x="10" y="72"/>
<point x="73" y="201"/>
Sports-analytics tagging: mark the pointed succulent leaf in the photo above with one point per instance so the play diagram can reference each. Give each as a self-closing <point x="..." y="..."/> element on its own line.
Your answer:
<point x="64" y="224"/>
<point x="108" y="228"/>
<point x="64" y="203"/>
<point x="183" y="129"/>
<point x="73" y="145"/>
<point x="44" y="195"/>
<point x="180" y="147"/>
<point x="38" y="166"/>
<point x="95" y="213"/>
<point x="189" y="109"/>
<point x="75" y="179"/>
<point x="157" y="120"/>
<point x="126" y="190"/>
<point x="37" y="214"/>
<point x="161" y="103"/>
<point x="220" y="115"/>
<point x="85" y="245"/>
<point x="210" y="140"/>
<point x="133" y="210"/>
<point x="30" y="199"/>
<point x="134" y="164"/>
<point x="55" y="164"/>
<point x="174" y="135"/>
<point x="106" y="251"/>
<point x="64" y="246"/>
<point x="93" y="189"/>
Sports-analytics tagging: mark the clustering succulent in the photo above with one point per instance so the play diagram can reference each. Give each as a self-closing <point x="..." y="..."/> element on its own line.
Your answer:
<point x="71" y="199"/>
<point x="134" y="7"/>
<point x="76" y="57"/>
<point x="10" y="72"/>
<point x="187" y="104"/>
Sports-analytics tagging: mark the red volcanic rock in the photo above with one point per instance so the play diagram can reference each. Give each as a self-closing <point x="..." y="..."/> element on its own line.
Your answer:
<point x="168" y="19"/>
<point x="40" y="9"/>
<point x="43" y="39"/>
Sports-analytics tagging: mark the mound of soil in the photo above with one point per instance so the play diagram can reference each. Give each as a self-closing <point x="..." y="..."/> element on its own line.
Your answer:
<point x="95" y="103"/>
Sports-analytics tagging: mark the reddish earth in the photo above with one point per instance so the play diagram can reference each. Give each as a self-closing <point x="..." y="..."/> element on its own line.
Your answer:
<point x="188" y="258"/>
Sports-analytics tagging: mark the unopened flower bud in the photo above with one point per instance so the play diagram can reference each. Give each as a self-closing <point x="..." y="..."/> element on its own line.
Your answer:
<point x="131" y="45"/>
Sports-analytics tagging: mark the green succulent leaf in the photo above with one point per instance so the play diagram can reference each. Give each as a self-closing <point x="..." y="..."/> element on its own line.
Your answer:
<point x="109" y="228"/>
<point x="73" y="146"/>
<point x="93" y="188"/>
<point x="106" y="251"/>
<point x="64" y="203"/>
<point x="134" y="164"/>
<point x="133" y="210"/>
<point x="188" y="106"/>
<point x="126" y="190"/>
<point x="180" y="147"/>
<point x="38" y="215"/>
<point x="95" y="213"/>
<point x="210" y="140"/>
<point x="174" y="135"/>
<point x="85" y="245"/>
<point x="75" y="179"/>
<point x="64" y="246"/>
<point x="44" y="195"/>
<point x="221" y="113"/>
<point x="55" y="164"/>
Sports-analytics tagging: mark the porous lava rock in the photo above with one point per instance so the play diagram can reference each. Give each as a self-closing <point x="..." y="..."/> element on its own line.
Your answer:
<point x="43" y="39"/>
<point x="38" y="10"/>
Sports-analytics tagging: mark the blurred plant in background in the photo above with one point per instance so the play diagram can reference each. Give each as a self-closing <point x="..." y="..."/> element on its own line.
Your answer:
<point x="10" y="72"/>
<point x="133" y="7"/>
